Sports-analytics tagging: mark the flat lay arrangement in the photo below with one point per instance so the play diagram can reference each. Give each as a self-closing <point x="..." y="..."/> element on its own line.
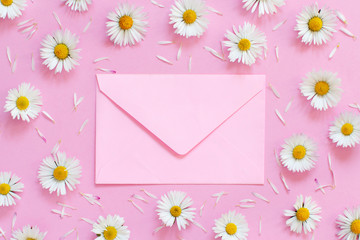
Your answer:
<point x="181" y="119"/>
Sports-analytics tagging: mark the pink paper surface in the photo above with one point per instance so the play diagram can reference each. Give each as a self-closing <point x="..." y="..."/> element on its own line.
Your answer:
<point x="147" y="125"/>
<point x="21" y="150"/>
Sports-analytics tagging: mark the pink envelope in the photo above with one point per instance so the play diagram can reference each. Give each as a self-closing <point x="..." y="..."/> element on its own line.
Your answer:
<point x="180" y="129"/>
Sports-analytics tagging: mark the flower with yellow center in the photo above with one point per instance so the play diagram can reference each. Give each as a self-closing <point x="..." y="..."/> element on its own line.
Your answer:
<point x="315" y="24"/>
<point x="345" y="131"/>
<point x="175" y="211"/>
<point x="126" y="22"/>
<point x="189" y="16"/>
<point x="322" y="88"/>
<point x="244" y="44"/>
<point x="231" y="226"/>
<point x="110" y="233"/>
<point x="304" y="216"/>
<point x="61" y="51"/>
<point x="4" y="188"/>
<point x="60" y="173"/>
<point x="10" y="186"/>
<point x="299" y="152"/>
<point x="6" y="3"/>
<point x="111" y="228"/>
<point x="22" y="103"/>
<point x="28" y="233"/>
<point x="349" y="224"/>
<point x="11" y="8"/>
<point x="355" y="226"/>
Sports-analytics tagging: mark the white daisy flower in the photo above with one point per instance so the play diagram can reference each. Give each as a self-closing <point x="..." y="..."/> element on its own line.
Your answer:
<point x="24" y="102"/>
<point x="349" y="224"/>
<point x="323" y="88"/>
<point x="188" y="17"/>
<point x="298" y="153"/>
<point x="111" y="228"/>
<point x="175" y="207"/>
<point x="127" y="25"/>
<point x="265" y="6"/>
<point x="231" y="226"/>
<point x="305" y="215"/>
<point x="78" y="5"/>
<point x="28" y="233"/>
<point x="11" y="8"/>
<point x="315" y="25"/>
<point x="246" y="44"/>
<point x="345" y="130"/>
<point x="10" y="185"/>
<point x="59" y="172"/>
<point x="59" y="51"/>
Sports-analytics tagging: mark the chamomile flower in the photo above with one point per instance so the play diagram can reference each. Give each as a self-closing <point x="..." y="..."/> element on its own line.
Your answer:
<point x="11" y="8"/>
<point x="322" y="88"/>
<point x="28" y="233"/>
<point x="345" y="131"/>
<point x="231" y="226"/>
<point x="126" y="25"/>
<point x="23" y="102"/>
<point x="315" y="25"/>
<point x="245" y="44"/>
<point x="111" y="228"/>
<point x="59" y="51"/>
<point x="265" y="6"/>
<point x="188" y="17"/>
<point x="304" y="216"/>
<point x="78" y="5"/>
<point x="59" y="173"/>
<point x="349" y="224"/>
<point x="175" y="207"/>
<point x="298" y="153"/>
<point x="10" y="185"/>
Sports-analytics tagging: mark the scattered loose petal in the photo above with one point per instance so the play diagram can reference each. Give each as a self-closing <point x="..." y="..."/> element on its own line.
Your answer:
<point x="24" y="22"/>
<point x="277" y="26"/>
<point x="87" y="25"/>
<point x="66" y="206"/>
<point x="323" y="186"/>
<point x="280" y="117"/>
<point x="288" y="106"/>
<point x="320" y="187"/>
<point x="57" y="19"/>
<point x="331" y="172"/>
<point x="202" y="208"/>
<point x="149" y="194"/>
<point x="27" y="29"/>
<point x="92" y="199"/>
<point x="190" y="63"/>
<point x="277" y="53"/>
<point x="218" y="196"/>
<point x="284" y="182"/>
<point x="89" y="221"/>
<point x="40" y="135"/>
<point x="101" y="59"/>
<point x="157" y="4"/>
<point x="260" y="225"/>
<point x="77" y="101"/>
<point x="277" y="157"/>
<point x="55" y="148"/>
<point x="32" y="62"/>
<point x="261" y="197"/>
<point x="159" y="228"/>
<point x="245" y="206"/>
<point x="273" y="186"/>
<point x="165" y="42"/>
<point x="13" y="67"/>
<point x="179" y="52"/>
<point x="341" y="17"/>
<point x="136" y="206"/>
<point x="32" y="33"/>
<point x="13" y="221"/>
<point x="276" y="93"/>
<point x="199" y="226"/>
<point x="347" y="32"/>
<point x="247" y="200"/>
<point x="8" y="54"/>
<point x="211" y="9"/>
<point x="334" y="51"/>
<point x="47" y="115"/>
<point x="161" y="58"/>
<point x="67" y="234"/>
<point x="140" y="198"/>
<point x="62" y="213"/>
<point x="83" y="126"/>
<point x="355" y="105"/>
<point x="106" y="70"/>
<point x="214" y="52"/>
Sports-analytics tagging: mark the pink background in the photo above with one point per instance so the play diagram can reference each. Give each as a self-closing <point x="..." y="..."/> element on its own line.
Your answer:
<point x="21" y="150"/>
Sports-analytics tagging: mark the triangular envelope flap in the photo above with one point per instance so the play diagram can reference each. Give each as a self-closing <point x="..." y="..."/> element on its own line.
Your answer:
<point x="181" y="110"/>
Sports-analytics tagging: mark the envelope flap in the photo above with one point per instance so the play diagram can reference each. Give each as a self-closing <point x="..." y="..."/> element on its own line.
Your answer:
<point x="181" y="110"/>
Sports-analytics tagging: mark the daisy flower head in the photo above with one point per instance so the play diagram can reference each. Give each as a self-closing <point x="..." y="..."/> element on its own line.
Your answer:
<point x="11" y="8"/>
<point x="188" y="17"/>
<point x="10" y="185"/>
<point x="78" y="5"/>
<point x="315" y="25"/>
<point x="345" y="131"/>
<point x="231" y="226"/>
<point x="245" y="44"/>
<point x="28" y="233"/>
<point x="175" y="207"/>
<point x="126" y="25"/>
<point x="111" y="228"/>
<point x="298" y="153"/>
<point x="304" y="216"/>
<point x="265" y="6"/>
<point x="59" y="173"/>
<point x="322" y="88"/>
<point x="59" y="51"/>
<point x="24" y="102"/>
<point x="349" y="224"/>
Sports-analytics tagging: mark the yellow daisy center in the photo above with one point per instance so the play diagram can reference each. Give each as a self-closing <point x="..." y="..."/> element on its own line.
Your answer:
<point x="6" y="2"/>
<point x="299" y="152"/>
<point x="110" y="233"/>
<point x="189" y="16"/>
<point x="322" y="88"/>
<point x="175" y="211"/>
<point x="126" y="22"/>
<point x="302" y="214"/>
<point x="22" y="103"/>
<point x="61" y="51"/>
<point x="4" y="188"/>
<point x="355" y="226"/>
<point x="30" y="239"/>
<point x="231" y="229"/>
<point x="315" y="24"/>
<point x="60" y="173"/>
<point x="347" y="129"/>
<point x="244" y="44"/>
